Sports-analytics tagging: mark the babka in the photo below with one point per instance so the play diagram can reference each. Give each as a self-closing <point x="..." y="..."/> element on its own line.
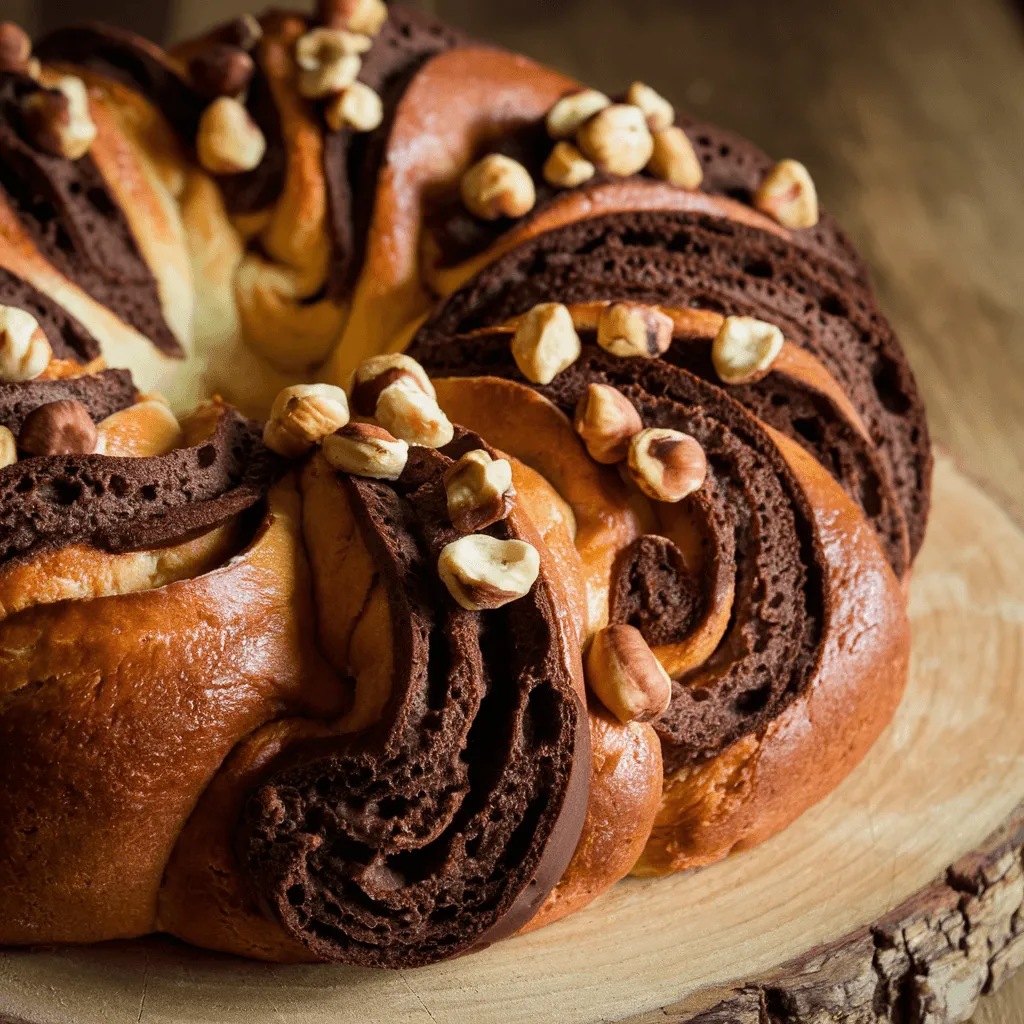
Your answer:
<point x="430" y="490"/>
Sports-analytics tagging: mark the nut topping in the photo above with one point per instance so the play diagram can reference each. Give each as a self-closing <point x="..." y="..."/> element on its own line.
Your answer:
<point x="617" y="140"/>
<point x="788" y="194"/>
<point x="328" y="61"/>
<point x="572" y="112"/>
<point x="745" y="348"/>
<point x="302" y="416"/>
<point x="58" y="120"/>
<point x="15" y="48"/>
<point x="631" y="330"/>
<point x="606" y="420"/>
<point x="498" y="186"/>
<point x="659" y="112"/>
<point x="365" y="16"/>
<point x="59" y="428"/>
<point x="380" y="372"/>
<point x="8" y="448"/>
<point x="24" y="349"/>
<point x="222" y="71"/>
<point x="667" y="465"/>
<point x="244" y="32"/>
<point x="358" y="108"/>
<point x="229" y="140"/>
<point x="675" y="160"/>
<point x="482" y="572"/>
<point x="545" y="342"/>
<point x="567" y="167"/>
<point x="412" y="415"/>
<point x="626" y="676"/>
<point x="364" y="449"/>
<point x="480" y="491"/>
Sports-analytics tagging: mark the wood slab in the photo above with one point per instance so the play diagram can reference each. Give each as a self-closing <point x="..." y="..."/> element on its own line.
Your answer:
<point x="738" y="941"/>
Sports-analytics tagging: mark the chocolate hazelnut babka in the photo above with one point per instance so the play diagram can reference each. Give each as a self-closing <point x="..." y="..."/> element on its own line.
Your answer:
<point x="430" y="490"/>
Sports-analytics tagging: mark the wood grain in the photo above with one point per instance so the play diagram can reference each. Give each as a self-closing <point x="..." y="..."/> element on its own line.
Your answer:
<point x="946" y="774"/>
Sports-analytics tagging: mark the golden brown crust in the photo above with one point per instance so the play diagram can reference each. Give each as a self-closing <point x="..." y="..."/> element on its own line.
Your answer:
<point x="764" y="782"/>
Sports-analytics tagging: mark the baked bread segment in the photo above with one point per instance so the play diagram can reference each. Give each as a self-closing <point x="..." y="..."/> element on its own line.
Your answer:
<point x="442" y="825"/>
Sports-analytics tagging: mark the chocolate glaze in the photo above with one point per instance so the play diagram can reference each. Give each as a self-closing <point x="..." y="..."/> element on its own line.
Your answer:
<point x="678" y="259"/>
<point x="142" y="67"/>
<point x="128" y="504"/>
<point x="352" y="160"/>
<point x="102" y="394"/>
<point x="442" y="827"/>
<point x="75" y="221"/>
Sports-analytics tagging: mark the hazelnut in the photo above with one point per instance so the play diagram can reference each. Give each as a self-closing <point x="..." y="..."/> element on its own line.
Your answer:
<point x="482" y="572"/>
<point x="617" y="140"/>
<point x="659" y="112"/>
<point x="667" y="465"/>
<point x="545" y="342"/>
<point x="788" y="195"/>
<point x="675" y="160"/>
<point x="328" y="61"/>
<point x="222" y="71"/>
<point x="358" y="108"/>
<point x="15" y="48"/>
<point x="24" y="349"/>
<point x="364" y="449"/>
<point x="480" y="491"/>
<point x="744" y="349"/>
<point x="365" y="16"/>
<point x="302" y="416"/>
<point x="380" y="372"/>
<point x="606" y="420"/>
<point x="498" y="186"/>
<point x="58" y="120"/>
<point x="572" y="112"/>
<point x="626" y="676"/>
<point x="567" y="167"/>
<point x="412" y="415"/>
<point x="59" y="428"/>
<point x="631" y="330"/>
<point x="8" y="448"/>
<point x="244" y="32"/>
<point x="229" y="140"/>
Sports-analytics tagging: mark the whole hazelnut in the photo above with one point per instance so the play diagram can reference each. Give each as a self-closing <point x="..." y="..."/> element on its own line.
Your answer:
<point x="788" y="195"/>
<point x="58" y="428"/>
<point x="545" y="342"/>
<point x="302" y="416"/>
<point x="617" y="140"/>
<point x="479" y="490"/>
<point x="498" y="186"/>
<point x="364" y="449"/>
<point x="626" y="675"/>
<point x="482" y="572"/>
<point x="222" y="70"/>
<point x="745" y="349"/>
<point x="375" y="374"/>
<point x="667" y="465"/>
<point x="606" y="421"/>
<point x="632" y="330"/>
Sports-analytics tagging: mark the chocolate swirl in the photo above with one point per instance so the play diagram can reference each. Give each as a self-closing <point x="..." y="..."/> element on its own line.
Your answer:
<point x="442" y="827"/>
<point x="129" y="504"/>
<point x="686" y="260"/>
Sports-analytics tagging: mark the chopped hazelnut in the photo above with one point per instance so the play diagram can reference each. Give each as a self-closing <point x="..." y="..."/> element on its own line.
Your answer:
<point x="8" y="448"/>
<point x="632" y="330"/>
<point x="675" y="160"/>
<point x="24" y="349"/>
<point x="606" y="421"/>
<point x="788" y="195"/>
<point x="567" y="167"/>
<point x="58" y="120"/>
<point x="659" y="112"/>
<point x="482" y="572"/>
<point x="498" y="186"/>
<point x="617" y="140"/>
<point x="364" y="449"/>
<point x="479" y="490"/>
<point x="745" y="348"/>
<point x="412" y="415"/>
<point x="545" y="342"/>
<point x="358" y="107"/>
<point x="328" y="61"/>
<point x="572" y="112"/>
<point x="302" y="416"/>
<point x="229" y="140"/>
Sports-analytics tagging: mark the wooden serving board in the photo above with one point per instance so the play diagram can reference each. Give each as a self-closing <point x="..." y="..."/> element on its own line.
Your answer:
<point x="866" y="874"/>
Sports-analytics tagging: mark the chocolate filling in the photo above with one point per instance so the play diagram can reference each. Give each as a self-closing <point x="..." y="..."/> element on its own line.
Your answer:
<point x="352" y="160"/>
<point x="677" y="259"/>
<point x="76" y="222"/>
<point x="129" y="504"/>
<point x="442" y="827"/>
<point x="102" y="394"/>
<point x="127" y="59"/>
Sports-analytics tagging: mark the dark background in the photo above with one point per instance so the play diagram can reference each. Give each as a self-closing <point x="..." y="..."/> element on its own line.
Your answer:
<point x="909" y="113"/>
